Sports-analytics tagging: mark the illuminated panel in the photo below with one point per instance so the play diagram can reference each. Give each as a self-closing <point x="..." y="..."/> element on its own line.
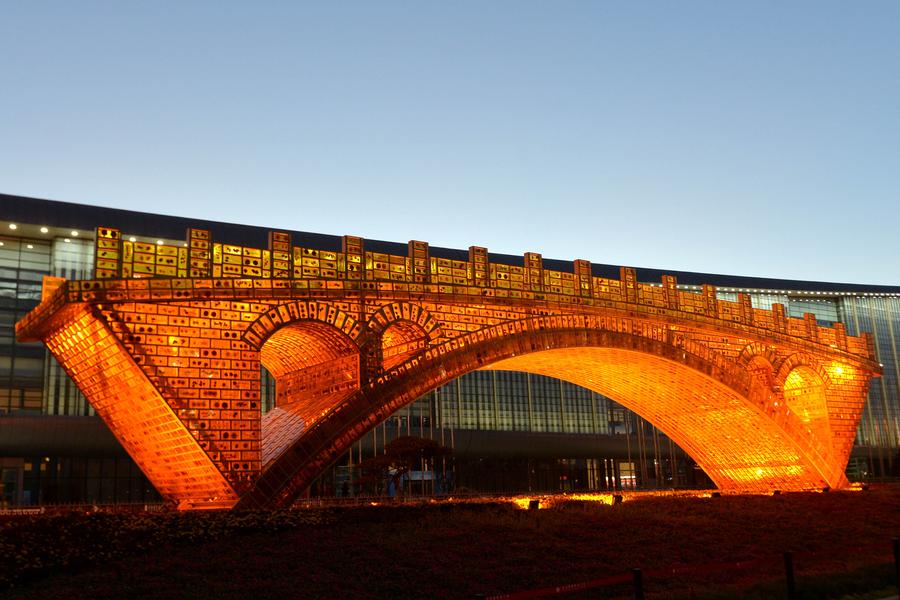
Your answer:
<point x="280" y="246"/>
<point x="136" y="413"/>
<point x="107" y="253"/>
<point x="478" y="266"/>
<point x="200" y="253"/>
<point x="583" y="277"/>
<point x="419" y="268"/>
<point x="534" y="272"/>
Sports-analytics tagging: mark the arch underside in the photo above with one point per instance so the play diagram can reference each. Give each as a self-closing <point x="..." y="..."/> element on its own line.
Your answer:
<point x="737" y="445"/>
<point x="714" y="409"/>
<point x="315" y="367"/>
<point x="401" y="341"/>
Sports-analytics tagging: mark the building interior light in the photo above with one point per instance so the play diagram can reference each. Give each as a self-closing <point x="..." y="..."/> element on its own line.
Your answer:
<point x="74" y="233"/>
<point x="132" y="239"/>
<point x="159" y="242"/>
<point x="13" y="226"/>
<point x="44" y="230"/>
<point x="1" y="243"/>
<point x="30" y="246"/>
<point x="67" y="240"/>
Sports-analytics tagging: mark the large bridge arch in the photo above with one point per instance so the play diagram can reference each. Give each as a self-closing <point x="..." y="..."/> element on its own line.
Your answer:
<point x="732" y="424"/>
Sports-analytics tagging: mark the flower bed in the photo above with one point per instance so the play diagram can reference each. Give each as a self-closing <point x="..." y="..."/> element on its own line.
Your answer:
<point x="451" y="550"/>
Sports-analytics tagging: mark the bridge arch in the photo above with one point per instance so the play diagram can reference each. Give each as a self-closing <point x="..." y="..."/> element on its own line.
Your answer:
<point x="314" y="364"/>
<point x="389" y="314"/>
<point x="401" y="341"/>
<point x="805" y="386"/>
<point x="800" y="360"/>
<point x="760" y="360"/>
<point x="715" y="410"/>
<point x="396" y="332"/>
<point x="278" y="316"/>
<point x="302" y="344"/>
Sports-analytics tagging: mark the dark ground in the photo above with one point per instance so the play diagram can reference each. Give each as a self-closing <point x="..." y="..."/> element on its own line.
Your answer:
<point x="841" y="542"/>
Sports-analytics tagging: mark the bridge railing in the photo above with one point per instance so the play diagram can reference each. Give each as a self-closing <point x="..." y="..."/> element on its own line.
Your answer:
<point x="200" y="257"/>
<point x="285" y="269"/>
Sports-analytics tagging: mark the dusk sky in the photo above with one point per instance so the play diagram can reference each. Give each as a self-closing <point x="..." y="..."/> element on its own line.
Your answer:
<point x="749" y="138"/>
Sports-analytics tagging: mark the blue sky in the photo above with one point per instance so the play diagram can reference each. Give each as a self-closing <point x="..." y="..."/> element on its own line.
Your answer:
<point x="757" y="138"/>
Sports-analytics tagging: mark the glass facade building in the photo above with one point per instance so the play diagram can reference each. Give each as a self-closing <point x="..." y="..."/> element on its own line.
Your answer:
<point x="510" y="431"/>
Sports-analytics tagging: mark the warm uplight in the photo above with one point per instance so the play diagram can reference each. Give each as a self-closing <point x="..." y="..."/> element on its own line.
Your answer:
<point x="67" y="240"/>
<point x="603" y="498"/>
<point x="524" y="503"/>
<point x="132" y="239"/>
<point x="599" y="498"/>
<point x="44" y="230"/>
<point x="13" y="226"/>
<point x="74" y="233"/>
<point x="30" y="246"/>
<point x="159" y="242"/>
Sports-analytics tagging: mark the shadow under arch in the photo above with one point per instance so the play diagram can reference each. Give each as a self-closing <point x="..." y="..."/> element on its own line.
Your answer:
<point x="734" y="442"/>
<point x="315" y="365"/>
<point x="764" y="453"/>
<point x="396" y="332"/>
<point x="401" y="341"/>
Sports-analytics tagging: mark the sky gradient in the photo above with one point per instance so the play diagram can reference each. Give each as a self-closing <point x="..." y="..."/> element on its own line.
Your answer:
<point x="756" y="139"/>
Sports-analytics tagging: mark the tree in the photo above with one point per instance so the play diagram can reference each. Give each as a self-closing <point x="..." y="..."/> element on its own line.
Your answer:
<point x="402" y="455"/>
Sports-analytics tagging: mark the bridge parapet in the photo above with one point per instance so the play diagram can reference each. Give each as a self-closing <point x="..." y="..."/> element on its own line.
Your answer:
<point x="131" y="270"/>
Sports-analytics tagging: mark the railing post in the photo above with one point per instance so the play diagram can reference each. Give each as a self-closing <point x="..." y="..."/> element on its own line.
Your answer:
<point x="896" y="544"/>
<point x="789" y="575"/>
<point x="638" y="578"/>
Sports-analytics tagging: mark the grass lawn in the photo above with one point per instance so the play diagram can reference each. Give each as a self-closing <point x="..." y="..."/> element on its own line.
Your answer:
<point x="841" y="542"/>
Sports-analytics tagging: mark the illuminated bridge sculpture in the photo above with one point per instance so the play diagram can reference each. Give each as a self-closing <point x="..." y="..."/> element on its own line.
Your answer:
<point x="167" y="341"/>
